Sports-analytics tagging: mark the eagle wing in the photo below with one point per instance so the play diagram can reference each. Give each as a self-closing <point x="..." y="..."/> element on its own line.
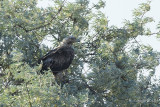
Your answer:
<point x="50" y="53"/>
<point x="58" y="59"/>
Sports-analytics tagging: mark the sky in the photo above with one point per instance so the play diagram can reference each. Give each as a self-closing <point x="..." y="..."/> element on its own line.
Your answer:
<point x="119" y="10"/>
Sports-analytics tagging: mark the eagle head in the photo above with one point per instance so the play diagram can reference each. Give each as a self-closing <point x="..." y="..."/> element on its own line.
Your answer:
<point x="70" y="40"/>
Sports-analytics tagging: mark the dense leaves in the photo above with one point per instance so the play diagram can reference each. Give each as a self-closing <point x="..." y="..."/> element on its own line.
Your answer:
<point x="109" y="65"/>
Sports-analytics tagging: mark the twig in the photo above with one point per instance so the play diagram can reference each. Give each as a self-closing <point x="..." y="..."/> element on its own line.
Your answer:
<point x="30" y="104"/>
<point x="43" y="25"/>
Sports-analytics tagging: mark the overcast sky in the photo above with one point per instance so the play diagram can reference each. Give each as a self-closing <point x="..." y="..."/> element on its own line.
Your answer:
<point x="119" y="10"/>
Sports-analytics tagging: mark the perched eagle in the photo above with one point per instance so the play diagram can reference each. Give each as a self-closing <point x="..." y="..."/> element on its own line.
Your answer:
<point x="60" y="58"/>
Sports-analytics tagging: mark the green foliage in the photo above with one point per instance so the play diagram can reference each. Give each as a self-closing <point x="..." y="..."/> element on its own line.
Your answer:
<point x="108" y="66"/>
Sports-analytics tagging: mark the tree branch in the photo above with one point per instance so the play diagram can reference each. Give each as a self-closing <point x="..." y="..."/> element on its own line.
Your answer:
<point x="30" y="104"/>
<point x="43" y="24"/>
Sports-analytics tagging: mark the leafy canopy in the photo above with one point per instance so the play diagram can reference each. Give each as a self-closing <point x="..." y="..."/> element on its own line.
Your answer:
<point x="108" y="66"/>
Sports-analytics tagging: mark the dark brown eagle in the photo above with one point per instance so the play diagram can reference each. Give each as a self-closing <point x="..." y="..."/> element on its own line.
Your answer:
<point x="59" y="58"/>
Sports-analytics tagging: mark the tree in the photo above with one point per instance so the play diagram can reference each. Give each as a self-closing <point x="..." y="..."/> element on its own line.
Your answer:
<point x="115" y="60"/>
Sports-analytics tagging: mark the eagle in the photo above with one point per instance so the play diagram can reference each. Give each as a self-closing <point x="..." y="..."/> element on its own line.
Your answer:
<point x="59" y="58"/>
